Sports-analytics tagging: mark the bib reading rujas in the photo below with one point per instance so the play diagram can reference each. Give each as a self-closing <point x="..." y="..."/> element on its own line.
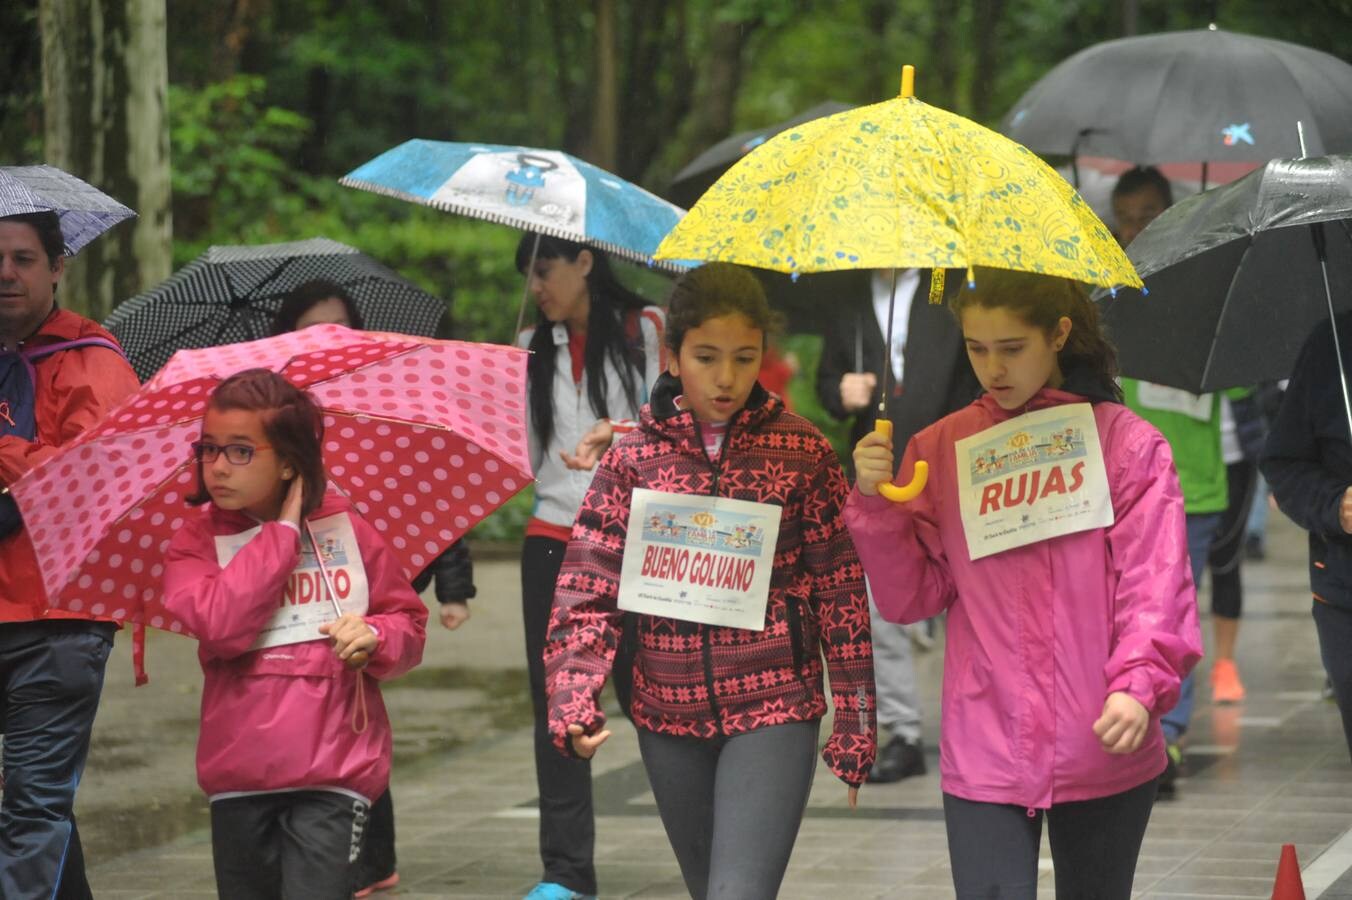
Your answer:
<point x="1037" y="476"/>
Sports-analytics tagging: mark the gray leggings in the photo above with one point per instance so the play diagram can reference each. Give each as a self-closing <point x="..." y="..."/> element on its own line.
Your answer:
<point x="732" y="806"/>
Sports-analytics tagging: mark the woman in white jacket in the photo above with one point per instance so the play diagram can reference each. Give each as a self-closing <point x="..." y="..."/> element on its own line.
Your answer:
<point x="596" y="350"/>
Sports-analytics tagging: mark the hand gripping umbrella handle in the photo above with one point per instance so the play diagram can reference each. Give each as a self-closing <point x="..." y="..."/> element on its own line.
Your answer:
<point x="918" y="480"/>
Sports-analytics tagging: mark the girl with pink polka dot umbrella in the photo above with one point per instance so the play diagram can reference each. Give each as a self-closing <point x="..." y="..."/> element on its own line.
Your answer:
<point x="425" y="437"/>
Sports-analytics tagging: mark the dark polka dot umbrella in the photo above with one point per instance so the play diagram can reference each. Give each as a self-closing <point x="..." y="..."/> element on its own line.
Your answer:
<point x="230" y="294"/>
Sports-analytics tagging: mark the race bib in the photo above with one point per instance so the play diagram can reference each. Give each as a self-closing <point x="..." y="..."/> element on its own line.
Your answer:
<point x="699" y="559"/>
<point x="1038" y="476"/>
<point x="1168" y="399"/>
<point x="305" y="603"/>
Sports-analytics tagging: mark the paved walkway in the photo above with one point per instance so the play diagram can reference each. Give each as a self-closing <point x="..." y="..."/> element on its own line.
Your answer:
<point x="1270" y="771"/>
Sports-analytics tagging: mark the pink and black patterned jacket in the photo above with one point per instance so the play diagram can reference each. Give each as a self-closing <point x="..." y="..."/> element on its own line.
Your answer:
<point x="706" y="681"/>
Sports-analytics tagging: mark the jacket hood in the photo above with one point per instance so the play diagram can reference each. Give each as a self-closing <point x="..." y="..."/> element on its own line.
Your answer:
<point x="64" y="325"/>
<point x="661" y="416"/>
<point x="1080" y="386"/>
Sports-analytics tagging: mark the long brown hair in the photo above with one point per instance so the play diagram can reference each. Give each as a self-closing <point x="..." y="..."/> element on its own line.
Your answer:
<point x="292" y="423"/>
<point x="1041" y="301"/>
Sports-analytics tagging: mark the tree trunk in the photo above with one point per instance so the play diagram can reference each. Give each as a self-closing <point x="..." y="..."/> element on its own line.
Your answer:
<point x="942" y="90"/>
<point x="105" y="78"/>
<point x="886" y="74"/>
<point x="723" y="77"/>
<point x="1131" y="10"/>
<point x="604" y="145"/>
<point x="987" y="15"/>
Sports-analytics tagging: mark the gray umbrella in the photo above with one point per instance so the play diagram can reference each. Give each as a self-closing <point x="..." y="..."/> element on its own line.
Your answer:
<point x="1188" y="96"/>
<point x="85" y="211"/>
<point x="702" y="171"/>
<point x="1237" y="277"/>
<point x="230" y="294"/>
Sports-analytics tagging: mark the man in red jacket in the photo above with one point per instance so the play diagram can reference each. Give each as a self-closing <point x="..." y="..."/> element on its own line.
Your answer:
<point x="51" y="661"/>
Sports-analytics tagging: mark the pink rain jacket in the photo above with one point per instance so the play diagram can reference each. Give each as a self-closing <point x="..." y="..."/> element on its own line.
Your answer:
<point x="1040" y="635"/>
<point x="281" y="718"/>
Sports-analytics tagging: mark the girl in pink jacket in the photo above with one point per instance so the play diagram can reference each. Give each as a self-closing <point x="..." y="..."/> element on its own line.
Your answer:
<point x="1052" y="532"/>
<point x="295" y="742"/>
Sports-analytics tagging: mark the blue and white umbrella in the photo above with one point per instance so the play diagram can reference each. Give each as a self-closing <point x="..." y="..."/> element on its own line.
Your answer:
<point x="85" y="211"/>
<point x="545" y="191"/>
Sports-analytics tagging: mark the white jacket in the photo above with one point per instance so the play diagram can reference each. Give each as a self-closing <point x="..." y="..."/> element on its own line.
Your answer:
<point x="558" y="489"/>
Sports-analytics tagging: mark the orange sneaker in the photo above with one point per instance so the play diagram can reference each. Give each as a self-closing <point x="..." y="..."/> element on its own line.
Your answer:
<point x="1225" y="684"/>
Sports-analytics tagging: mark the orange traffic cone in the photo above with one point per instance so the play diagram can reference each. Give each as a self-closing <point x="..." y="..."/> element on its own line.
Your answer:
<point x="1288" y="885"/>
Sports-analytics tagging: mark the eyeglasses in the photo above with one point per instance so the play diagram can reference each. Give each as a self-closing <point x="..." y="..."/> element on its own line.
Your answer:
<point x="235" y="454"/>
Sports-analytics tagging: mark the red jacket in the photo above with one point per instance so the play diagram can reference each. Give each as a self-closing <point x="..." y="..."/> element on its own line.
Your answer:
<point x="700" y="680"/>
<point x="281" y="718"/>
<point x="74" y="390"/>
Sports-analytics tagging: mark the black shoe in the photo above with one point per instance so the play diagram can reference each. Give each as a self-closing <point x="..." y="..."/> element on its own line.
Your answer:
<point x="1254" y="549"/>
<point x="898" y="759"/>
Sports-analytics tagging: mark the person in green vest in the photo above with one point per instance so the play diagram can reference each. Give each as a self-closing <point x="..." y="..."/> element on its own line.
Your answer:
<point x="1192" y="426"/>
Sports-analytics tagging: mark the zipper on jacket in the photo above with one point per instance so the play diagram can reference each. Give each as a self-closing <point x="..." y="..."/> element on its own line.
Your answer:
<point x="797" y="637"/>
<point x="707" y="653"/>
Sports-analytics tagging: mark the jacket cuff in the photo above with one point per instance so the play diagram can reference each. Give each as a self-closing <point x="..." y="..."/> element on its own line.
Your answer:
<point x="1135" y="683"/>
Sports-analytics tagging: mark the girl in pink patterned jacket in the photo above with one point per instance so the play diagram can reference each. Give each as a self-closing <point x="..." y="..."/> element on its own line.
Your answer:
<point x="727" y="717"/>
<point x="1066" y="644"/>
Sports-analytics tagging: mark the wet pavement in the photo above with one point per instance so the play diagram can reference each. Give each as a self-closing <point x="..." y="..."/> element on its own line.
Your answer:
<point x="1270" y="771"/>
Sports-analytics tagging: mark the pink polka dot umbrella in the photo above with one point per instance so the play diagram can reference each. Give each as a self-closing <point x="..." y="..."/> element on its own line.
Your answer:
<point x="425" y="437"/>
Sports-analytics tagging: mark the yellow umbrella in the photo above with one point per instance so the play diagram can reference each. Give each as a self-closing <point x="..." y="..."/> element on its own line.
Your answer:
<point x="894" y="185"/>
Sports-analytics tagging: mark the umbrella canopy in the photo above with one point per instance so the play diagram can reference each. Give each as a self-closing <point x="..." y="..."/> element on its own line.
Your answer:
<point x="425" y="437"/>
<point x="544" y="191"/>
<point x="85" y="211"/>
<point x="1206" y="95"/>
<point x="897" y="184"/>
<point x="230" y="294"/>
<point x="703" y="170"/>
<point x="1234" y="282"/>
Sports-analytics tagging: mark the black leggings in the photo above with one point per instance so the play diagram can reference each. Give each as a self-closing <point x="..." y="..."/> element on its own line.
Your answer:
<point x="567" y="827"/>
<point x="993" y="847"/>
<point x="1227" y="547"/>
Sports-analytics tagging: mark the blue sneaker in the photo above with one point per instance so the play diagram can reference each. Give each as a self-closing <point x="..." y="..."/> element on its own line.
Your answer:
<point x="548" y="890"/>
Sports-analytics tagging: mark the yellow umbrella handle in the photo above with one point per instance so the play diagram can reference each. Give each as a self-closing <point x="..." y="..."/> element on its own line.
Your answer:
<point x="918" y="480"/>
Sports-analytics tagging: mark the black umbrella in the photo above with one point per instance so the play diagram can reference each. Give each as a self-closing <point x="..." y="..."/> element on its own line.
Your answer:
<point x="230" y="293"/>
<point x="807" y="302"/>
<point x="1237" y="278"/>
<point x="1200" y="96"/>
<point x="690" y="183"/>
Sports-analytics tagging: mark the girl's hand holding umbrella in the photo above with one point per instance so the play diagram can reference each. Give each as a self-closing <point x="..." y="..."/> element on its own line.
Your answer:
<point x="873" y="462"/>
<point x="353" y="640"/>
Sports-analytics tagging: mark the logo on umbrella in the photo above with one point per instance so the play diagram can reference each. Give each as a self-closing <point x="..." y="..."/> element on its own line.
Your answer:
<point x="525" y="180"/>
<point x="1235" y="134"/>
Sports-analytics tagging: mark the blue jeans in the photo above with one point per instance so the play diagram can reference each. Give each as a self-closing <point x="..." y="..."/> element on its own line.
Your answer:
<point x="51" y="675"/>
<point x="1201" y="529"/>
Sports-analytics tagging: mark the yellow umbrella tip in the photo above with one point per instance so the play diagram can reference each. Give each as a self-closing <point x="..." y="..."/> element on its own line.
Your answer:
<point x="907" y="81"/>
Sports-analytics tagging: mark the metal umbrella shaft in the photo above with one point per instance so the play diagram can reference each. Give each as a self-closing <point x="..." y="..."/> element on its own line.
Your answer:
<point x="887" y="349"/>
<point x="525" y="291"/>
<point x="1317" y="232"/>
<point x="360" y="657"/>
